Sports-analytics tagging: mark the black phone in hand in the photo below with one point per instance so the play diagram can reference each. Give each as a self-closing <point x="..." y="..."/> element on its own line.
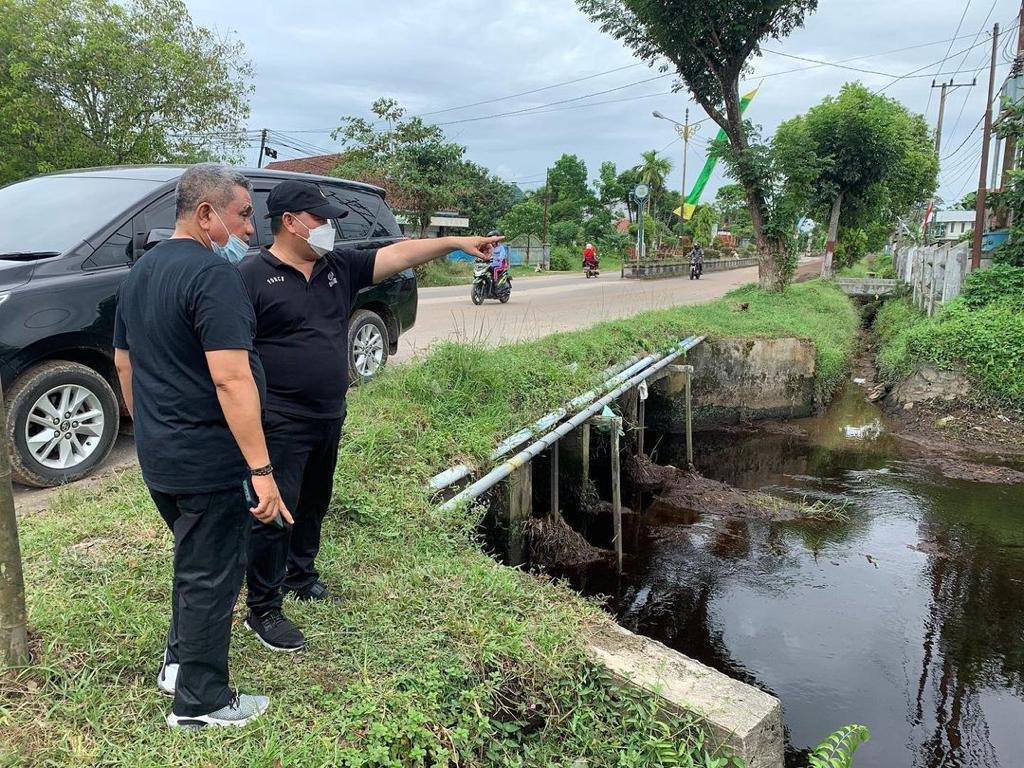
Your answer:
<point x="253" y="500"/>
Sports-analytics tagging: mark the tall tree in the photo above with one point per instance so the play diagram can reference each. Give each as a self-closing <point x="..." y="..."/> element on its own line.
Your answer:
<point x="99" y="82"/>
<point x="708" y="43"/>
<point x="875" y="158"/>
<point x="525" y="218"/>
<point x="406" y="155"/>
<point x="483" y="198"/>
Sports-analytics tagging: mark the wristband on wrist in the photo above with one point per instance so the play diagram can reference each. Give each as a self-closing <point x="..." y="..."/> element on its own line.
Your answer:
<point x="262" y="471"/>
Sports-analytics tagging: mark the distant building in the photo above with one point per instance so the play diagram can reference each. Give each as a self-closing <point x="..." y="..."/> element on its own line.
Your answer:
<point x="950" y="226"/>
<point x="442" y="223"/>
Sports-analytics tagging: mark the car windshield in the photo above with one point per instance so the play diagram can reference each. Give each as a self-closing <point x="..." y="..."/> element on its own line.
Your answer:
<point x="50" y="214"/>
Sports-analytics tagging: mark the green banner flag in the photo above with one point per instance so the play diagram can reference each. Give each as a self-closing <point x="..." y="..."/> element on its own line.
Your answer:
<point x="702" y="181"/>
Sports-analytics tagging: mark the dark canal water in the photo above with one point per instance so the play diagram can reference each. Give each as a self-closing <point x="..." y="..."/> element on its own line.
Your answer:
<point x="908" y="618"/>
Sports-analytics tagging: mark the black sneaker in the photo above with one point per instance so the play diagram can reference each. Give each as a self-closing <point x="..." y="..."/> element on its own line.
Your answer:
<point x="319" y="592"/>
<point x="275" y="631"/>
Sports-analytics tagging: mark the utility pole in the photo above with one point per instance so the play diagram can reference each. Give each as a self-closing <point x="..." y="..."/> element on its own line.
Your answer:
<point x="1010" y="143"/>
<point x="263" y="147"/>
<point x="946" y="88"/>
<point x="979" y="211"/>
<point x="13" y="617"/>
<point x="547" y="197"/>
<point x="685" y="131"/>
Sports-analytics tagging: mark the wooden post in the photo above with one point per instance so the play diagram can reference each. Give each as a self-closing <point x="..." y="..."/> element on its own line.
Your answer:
<point x="554" y="512"/>
<point x="520" y="509"/>
<point x="13" y="616"/>
<point x="687" y="378"/>
<point x="617" y="490"/>
<point x="641" y="418"/>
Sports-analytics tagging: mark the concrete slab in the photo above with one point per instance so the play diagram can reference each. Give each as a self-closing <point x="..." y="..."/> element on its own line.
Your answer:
<point x="746" y="720"/>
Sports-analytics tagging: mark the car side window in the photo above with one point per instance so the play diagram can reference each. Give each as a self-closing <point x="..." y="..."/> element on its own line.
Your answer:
<point x="386" y="225"/>
<point x="117" y="251"/>
<point x="362" y="210"/>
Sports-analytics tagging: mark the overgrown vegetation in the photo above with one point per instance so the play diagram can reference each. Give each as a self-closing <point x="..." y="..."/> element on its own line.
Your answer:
<point x="439" y="655"/>
<point x="876" y="264"/>
<point x="981" y="332"/>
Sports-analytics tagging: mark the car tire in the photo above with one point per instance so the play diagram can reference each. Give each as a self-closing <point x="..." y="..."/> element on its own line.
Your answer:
<point x="37" y="394"/>
<point x="368" y="345"/>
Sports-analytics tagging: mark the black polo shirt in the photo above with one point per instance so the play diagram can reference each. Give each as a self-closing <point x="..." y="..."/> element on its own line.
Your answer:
<point x="302" y="328"/>
<point x="179" y="302"/>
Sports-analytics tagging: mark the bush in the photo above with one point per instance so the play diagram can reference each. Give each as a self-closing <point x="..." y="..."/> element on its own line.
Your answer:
<point x="565" y="232"/>
<point x="563" y="259"/>
<point x="987" y="343"/>
<point x="1000" y="282"/>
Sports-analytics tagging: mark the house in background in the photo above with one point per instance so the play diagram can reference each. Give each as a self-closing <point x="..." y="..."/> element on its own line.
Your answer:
<point x="950" y="226"/>
<point x="442" y="223"/>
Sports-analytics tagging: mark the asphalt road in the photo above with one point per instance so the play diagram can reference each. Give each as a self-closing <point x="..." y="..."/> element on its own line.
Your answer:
<point x="539" y="306"/>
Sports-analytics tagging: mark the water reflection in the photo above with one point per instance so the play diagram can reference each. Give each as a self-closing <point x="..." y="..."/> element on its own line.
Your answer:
<point x="908" y="618"/>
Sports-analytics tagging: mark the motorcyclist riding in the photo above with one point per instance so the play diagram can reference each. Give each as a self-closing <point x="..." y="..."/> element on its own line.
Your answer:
<point x="696" y="261"/>
<point x="590" y="257"/>
<point x="499" y="258"/>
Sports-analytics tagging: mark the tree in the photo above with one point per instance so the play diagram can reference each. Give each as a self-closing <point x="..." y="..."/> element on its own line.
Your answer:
<point x="13" y="623"/>
<point x="483" y="198"/>
<point x="406" y="154"/>
<point x="875" y="160"/>
<point x="653" y="171"/>
<point x="627" y="182"/>
<point x="704" y="220"/>
<point x="969" y="202"/>
<point x="731" y="204"/>
<point x="98" y="82"/>
<point x="708" y="45"/>
<point x="567" y="181"/>
<point x="610" y="189"/>
<point x="525" y="218"/>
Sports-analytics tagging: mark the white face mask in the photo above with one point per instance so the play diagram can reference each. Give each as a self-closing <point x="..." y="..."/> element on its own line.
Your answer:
<point x="321" y="239"/>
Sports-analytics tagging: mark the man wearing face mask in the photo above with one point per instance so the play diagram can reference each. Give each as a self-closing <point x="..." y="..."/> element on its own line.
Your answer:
<point x="183" y="348"/>
<point x="302" y="290"/>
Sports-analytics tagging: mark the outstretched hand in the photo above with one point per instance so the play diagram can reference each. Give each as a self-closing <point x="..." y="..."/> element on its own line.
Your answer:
<point x="478" y="247"/>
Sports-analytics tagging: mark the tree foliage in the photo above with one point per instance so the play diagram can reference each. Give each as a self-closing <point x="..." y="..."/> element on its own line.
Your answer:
<point x="875" y="160"/>
<point x="98" y="82"/>
<point x="525" y="218"/>
<point x="708" y="44"/>
<point x="407" y="154"/>
<point x="731" y="204"/>
<point x="1011" y="198"/>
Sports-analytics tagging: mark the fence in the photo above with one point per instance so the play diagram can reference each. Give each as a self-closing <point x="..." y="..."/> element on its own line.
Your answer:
<point x="935" y="273"/>
<point x="673" y="268"/>
<point x="526" y="250"/>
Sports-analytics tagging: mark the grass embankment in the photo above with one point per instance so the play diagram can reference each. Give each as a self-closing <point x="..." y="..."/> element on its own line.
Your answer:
<point x="874" y="265"/>
<point x="442" y="272"/>
<point x="981" y="333"/>
<point x="439" y="655"/>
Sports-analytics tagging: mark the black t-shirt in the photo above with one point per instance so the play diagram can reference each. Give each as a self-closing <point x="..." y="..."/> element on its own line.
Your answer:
<point x="302" y="328"/>
<point x="178" y="302"/>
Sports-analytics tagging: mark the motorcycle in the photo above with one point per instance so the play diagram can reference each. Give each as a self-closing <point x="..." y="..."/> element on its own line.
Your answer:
<point x="696" y="269"/>
<point x="484" y="286"/>
<point x="590" y="269"/>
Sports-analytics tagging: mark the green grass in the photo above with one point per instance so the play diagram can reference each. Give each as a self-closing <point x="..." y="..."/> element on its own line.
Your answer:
<point x="441" y="272"/>
<point x="986" y="342"/>
<point x="879" y="265"/>
<point x="439" y="655"/>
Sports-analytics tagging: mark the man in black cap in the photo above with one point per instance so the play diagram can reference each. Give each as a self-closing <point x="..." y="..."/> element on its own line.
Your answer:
<point x="302" y="290"/>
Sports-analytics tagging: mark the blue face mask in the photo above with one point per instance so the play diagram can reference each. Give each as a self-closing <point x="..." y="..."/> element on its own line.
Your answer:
<point x="235" y="249"/>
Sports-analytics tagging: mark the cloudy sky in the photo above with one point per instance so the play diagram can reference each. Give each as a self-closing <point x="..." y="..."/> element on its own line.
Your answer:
<point x="318" y="61"/>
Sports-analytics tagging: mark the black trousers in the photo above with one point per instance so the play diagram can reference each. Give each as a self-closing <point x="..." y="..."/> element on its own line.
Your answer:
<point x="304" y="453"/>
<point x="211" y="532"/>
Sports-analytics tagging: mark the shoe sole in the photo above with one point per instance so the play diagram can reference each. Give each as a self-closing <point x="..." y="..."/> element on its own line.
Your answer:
<point x="265" y="644"/>
<point x="196" y="723"/>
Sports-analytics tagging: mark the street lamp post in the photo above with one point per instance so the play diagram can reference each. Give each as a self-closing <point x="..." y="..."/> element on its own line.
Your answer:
<point x="685" y="131"/>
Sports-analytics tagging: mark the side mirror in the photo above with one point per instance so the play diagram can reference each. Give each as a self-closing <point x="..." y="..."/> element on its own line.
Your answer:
<point x="157" y="236"/>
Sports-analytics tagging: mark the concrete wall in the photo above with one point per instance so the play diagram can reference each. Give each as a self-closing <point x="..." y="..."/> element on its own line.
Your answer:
<point x="739" y="380"/>
<point x="743" y="719"/>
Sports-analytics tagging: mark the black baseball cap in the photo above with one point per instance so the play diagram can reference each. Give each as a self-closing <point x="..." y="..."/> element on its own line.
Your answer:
<point x="299" y="196"/>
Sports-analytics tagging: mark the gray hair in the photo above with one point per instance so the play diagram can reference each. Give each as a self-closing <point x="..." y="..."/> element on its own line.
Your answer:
<point x="208" y="183"/>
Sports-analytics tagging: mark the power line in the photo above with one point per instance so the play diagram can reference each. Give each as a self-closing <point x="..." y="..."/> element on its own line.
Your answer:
<point x="527" y="93"/>
<point x="934" y="64"/>
<point x="978" y="34"/>
<point x="963" y="16"/>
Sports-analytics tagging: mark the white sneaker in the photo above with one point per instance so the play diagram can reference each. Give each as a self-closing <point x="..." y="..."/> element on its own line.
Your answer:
<point x="167" y="679"/>
<point x="237" y="713"/>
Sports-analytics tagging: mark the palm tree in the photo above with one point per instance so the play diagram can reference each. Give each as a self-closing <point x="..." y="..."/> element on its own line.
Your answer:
<point x="653" y="171"/>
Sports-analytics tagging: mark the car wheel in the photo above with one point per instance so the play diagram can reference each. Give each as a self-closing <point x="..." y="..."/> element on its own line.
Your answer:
<point x="368" y="345"/>
<point x="478" y="294"/>
<point x="62" y="421"/>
